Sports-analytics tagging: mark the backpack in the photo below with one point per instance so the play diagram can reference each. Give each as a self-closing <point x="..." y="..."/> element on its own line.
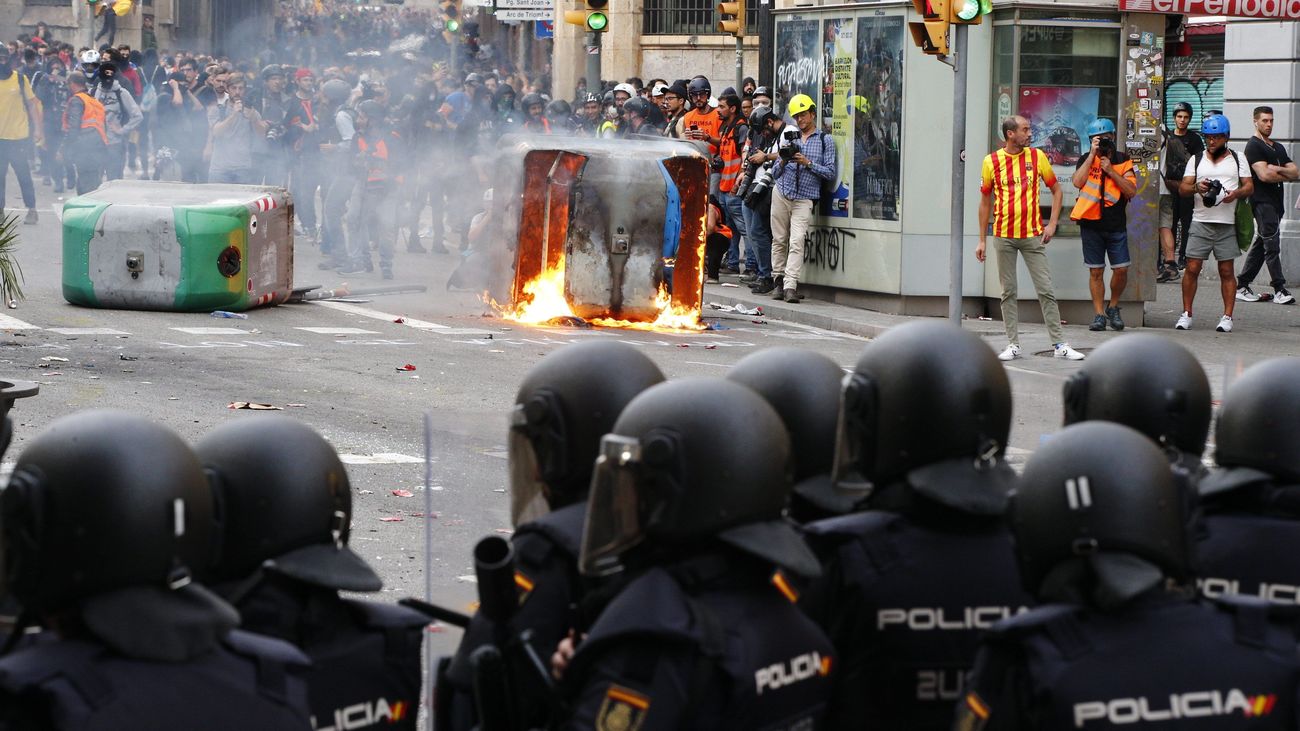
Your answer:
<point x="1244" y="218"/>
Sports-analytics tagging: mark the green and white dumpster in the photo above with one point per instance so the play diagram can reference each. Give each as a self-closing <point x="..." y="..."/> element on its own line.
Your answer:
<point x="143" y="245"/>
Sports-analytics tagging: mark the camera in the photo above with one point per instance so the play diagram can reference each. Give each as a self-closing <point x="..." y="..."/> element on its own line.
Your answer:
<point x="789" y="145"/>
<point x="1211" y="197"/>
<point x="1105" y="146"/>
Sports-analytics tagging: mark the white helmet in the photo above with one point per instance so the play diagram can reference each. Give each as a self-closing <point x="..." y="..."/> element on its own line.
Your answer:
<point x="626" y="89"/>
<point x="90" y="56"/>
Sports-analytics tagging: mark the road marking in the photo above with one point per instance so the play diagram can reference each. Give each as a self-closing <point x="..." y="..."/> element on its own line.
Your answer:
<point x="338" y="330"/>
<point x="703" y="363"/>
<point x="87" y="331"/>
<point x="377" y="315"/>
<point x="13" y="323"/>
<point x="1054" y="376"/>
<point x="381" y="458"/>
<point x="211" y="330"/>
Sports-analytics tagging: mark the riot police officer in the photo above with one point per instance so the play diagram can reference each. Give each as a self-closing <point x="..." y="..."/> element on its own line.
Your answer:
<point x="926" y="565"/>
<point x="804" y="388"/>
<point x="567" y="402"/>
<point x="1251" y="503"/>
<point x="1127" y="641"/>
<point x="704" y="635"/>
<point x="1151" y="384"/>
<point x="103" y="519"/>
<point x="285" y="515"/>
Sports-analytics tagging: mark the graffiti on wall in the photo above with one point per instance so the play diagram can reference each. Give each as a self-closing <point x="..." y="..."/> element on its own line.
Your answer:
<point x="1196" y="79"/>
<point x="826" y="248"/>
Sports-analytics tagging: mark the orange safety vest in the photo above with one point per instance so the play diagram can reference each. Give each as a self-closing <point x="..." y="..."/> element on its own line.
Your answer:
<point x="92" y="115"/>
<point x="376" y="164"/>
<point x="531" y="126"/>
<point x="731" y="160"/>
<point x="720" y="227"/>
<point x="1100" y="191"/>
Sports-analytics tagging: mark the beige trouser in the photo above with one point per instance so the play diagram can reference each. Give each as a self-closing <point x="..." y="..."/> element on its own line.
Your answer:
<point x="1033" y="250"/>
<point x="789" y="226"/>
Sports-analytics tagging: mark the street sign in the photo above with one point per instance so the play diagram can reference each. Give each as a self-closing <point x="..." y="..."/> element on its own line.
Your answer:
<point x="1276" y="9"/>
<point x="544" y="29"/>
<point x="525" y="14"/>
<point x="522" y="4"/>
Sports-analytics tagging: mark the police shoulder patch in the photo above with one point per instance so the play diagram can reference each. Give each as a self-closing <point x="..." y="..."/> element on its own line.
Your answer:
<point x="972" y="713"/>
<point x="622" y="710"/>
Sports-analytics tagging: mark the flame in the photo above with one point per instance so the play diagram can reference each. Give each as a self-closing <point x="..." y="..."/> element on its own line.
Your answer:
<point x="543" y="300"/>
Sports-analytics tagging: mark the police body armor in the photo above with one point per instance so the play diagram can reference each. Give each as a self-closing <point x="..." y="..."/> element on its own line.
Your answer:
<point x="366" y="665"/>
<point x="245" y="682"/>
<point x="1246" y="518"/>
<point x="1161" y="661"/>
<point x="908" y="605"/>
<point x="546" y="574"/>
<point x="735" y="654"/>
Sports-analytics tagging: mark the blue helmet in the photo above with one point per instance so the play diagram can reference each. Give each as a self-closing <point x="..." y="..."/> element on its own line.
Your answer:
<point x="1100" y="127"/>
<point x="1216" y="124"/>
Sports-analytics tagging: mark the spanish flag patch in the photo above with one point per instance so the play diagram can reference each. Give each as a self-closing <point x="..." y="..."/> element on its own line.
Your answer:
<point x="622" y="710"/>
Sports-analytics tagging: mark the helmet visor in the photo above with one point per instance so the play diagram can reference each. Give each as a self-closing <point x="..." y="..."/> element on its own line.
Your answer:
<point x="613" y="516"/>
<point x="850" y="435"/>
<point x="528" y="499"/>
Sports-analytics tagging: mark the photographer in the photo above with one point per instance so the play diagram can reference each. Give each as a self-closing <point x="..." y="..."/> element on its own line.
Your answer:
<point x="1106" y="182"/>
<point x="1217" y="179"/>
<point x="235" y="127"/>
<point x="760" y="148"/>
<point x="806" y="161"/>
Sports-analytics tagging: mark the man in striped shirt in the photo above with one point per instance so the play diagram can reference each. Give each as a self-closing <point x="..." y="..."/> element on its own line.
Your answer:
<point x="1011" y="180"/>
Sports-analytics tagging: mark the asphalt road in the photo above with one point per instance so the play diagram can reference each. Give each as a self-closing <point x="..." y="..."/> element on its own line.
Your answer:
<point x="336" y="366"/>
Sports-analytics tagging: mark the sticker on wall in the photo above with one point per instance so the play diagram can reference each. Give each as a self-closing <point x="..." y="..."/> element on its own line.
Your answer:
<point x="252" y="225"/>
<point x="1148" y="39"/>
<point x="1147" y="131"/>
<point x="1142" y="93"/>
<point x="1144" y="103"/>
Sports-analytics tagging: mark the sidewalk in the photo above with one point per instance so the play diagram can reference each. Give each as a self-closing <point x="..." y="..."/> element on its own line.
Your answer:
<point x="1262" y="329"/>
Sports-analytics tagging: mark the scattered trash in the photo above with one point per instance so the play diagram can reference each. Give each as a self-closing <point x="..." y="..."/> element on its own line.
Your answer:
<point x="366" y="492"/>
<point x="436" y="487"/>
<point x="715" y="326"/>
<point x="735" y="308"/>
<point x="252" y="406"/>
<point x="504" y="531"/>
<point x="683" y="345"/>
<point x="54" y="359"/>
<point x="468" y="579"/>
<point x="985" y="319"/>
<point x="229" y="315"/>
<point x="169" y="398"/>
<point x="407" y="367"/>
<point x="759" y="322"/>
<point x="296" y="406"/>
<point x="710" y="347"/>
<point x="729" y="284"/>
<point x="390" y="519"/>
<point x="488" y="336"/>
<point x="403" y="493"/>
<point x="567" y="321"/>
<point x="499" y="489"/>
<point x="127" y="357"/>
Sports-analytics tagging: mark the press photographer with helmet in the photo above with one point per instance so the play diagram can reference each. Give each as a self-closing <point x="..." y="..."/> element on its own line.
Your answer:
<point x="1217" y="180"/>
<point x="807" y="161"/>
<point x="1106" y="182"/>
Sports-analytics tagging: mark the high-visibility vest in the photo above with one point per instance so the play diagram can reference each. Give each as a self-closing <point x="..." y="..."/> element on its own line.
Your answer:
<point x="538" y="126"/>
<point x="376" y="164"/>
<point x="607" y="130"/>
<point x="731" y="161"/>
<point x="1099" y="191"/>
<point x="92" y="115"/>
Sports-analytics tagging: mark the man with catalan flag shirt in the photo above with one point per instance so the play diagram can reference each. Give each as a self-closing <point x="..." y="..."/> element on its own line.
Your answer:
<point x="1010" y="185"/>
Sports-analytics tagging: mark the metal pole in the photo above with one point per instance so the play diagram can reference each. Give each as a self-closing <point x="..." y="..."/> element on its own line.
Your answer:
<point x="765" y="50"/>
<point x="740" y="62"/>
<point x="593" y="64"/>
<point x="955" y="252"/>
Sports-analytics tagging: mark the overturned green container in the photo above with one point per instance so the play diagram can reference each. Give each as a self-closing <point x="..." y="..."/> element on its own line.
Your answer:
<point x="141" y="245"/>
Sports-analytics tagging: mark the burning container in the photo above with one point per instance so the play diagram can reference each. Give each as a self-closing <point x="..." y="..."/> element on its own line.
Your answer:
<point x="176" y="246"/>
<point x="609" y="231"/>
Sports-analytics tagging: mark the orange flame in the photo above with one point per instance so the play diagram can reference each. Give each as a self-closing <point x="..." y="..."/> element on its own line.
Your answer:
<point x="543" y="300"/>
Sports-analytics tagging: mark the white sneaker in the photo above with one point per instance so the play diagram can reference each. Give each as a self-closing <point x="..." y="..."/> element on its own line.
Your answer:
<point x="1246" y="294"/>
<point x="1011" y="352"/>
<point x="1225" y="324"/>
<point x="1184" y="322"/>
<point x="1063" y="350"/>
<point x="1283" y="297"/>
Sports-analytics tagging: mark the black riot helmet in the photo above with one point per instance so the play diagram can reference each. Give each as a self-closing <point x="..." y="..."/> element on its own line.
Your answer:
<point x="1259" y="425"/>
<point x="1094" y="530"/>
<point x="1146" y="382"/>
<point x="804" y="388"/>
<point x="668" y="476"/>
<point x="567" y="402"/>
<point x="101" y="501"/>
<point x="928" y="404"/>
<point x="285" y="504"/>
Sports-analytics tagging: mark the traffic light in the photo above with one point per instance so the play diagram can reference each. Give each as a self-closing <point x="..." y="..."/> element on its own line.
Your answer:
<point x="593" y="18"/>
<point x="970" y="12"/>
<point x="451" y="16"/>
<point x="931" y="33"/>
<point x="734" y="25"/>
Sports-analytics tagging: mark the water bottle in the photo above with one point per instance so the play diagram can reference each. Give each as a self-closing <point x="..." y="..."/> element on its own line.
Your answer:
<point x="230" y="315"/>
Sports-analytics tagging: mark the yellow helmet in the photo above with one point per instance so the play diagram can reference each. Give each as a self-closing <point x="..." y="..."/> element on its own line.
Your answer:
<point x="800" y="103"/>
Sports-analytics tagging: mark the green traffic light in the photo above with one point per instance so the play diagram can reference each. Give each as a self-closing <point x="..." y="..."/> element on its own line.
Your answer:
<point x="453" y="25"/>
<point x="968" y="9"/>
<point x="986" y="7"/>
<point x="597" y="21"/>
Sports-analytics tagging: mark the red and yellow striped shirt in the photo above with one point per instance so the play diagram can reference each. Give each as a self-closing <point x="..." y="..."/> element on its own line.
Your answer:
<point x="1015" y="181"/>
